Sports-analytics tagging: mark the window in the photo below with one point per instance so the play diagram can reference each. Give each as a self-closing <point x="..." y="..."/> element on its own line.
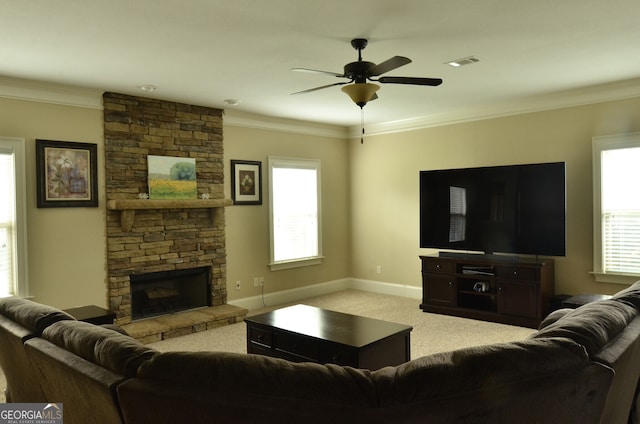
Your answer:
<point x="13" y="237"/>
<point x="616" y="217"/>
<point x="457" y="214"/>
<point x="294" y="193"/>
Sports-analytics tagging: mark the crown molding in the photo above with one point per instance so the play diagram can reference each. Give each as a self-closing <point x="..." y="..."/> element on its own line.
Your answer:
<point x="43" y="92"/>
<point x="563" y="99"/>
<point x="248" y="120"/>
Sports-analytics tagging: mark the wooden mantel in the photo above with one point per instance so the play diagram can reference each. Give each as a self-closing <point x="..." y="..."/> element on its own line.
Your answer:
<point x="128" y="207"/>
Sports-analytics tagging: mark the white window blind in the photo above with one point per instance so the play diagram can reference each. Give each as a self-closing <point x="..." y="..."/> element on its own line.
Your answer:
<point x="295" y="212"/>
<point x="616" y="212"/>
<point x="7" y="225"/>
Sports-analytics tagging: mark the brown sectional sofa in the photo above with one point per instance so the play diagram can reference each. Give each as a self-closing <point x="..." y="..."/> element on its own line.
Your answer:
<point x="579" y="367"/>
<point x="501" y="383"/>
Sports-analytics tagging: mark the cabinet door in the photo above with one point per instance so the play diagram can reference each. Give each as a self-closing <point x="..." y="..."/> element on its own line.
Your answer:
<point x="439" y="290"/>
<point x="517" y="299"/>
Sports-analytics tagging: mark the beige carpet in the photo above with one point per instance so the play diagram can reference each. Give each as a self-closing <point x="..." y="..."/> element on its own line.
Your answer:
<point x="431" y="332"/>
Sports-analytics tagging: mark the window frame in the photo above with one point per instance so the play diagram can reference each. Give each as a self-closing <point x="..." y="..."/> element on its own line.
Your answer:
<point x="286" y="162"/>
<point x="16" y="146"/>
<point x="599" y="145"/>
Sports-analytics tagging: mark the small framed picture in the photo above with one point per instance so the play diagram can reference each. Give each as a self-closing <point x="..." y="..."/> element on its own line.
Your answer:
<point x="66" y="174"/>
<point x="246" y="182"/>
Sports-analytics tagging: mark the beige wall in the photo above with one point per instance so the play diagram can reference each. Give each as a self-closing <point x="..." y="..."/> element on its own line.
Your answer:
<point x="384" y="183"/>
<point x="67" y="246"/>
<point x="247" y="228"/>
<point x="370" y="196"/>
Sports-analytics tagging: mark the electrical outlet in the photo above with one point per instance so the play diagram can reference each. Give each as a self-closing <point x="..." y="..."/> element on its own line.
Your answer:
<point x="379" y="269"/>
<point x="258" y="281"/>
<point x="237" y="285"/>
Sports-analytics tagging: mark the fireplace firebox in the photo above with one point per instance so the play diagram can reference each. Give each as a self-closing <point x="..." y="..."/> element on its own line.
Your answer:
<point x="168" y="292"/>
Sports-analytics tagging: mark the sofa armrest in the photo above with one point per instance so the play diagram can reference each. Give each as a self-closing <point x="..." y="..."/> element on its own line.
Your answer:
<point x="22" y="382"/>
<point x="87" y="391"/>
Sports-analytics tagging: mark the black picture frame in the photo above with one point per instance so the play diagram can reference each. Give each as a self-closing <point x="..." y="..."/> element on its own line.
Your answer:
<point x="66" y="174"/>
<point x="246" y="182"/>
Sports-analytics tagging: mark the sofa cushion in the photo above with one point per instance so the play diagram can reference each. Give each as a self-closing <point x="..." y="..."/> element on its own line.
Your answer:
<point x="33" y="316"/>
<point x="261" y="375"/>
<point x="466" y="370"/>
<point x="593" y="325"/>
<point x="553" y="317"/>
<point x="99" y="345"/>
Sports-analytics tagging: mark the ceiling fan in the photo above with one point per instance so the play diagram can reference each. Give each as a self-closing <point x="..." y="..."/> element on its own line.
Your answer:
<point x="362" y="71"/>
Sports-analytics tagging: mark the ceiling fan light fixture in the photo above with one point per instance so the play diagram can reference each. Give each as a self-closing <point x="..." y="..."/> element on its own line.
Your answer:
<point x="361" y="93"/>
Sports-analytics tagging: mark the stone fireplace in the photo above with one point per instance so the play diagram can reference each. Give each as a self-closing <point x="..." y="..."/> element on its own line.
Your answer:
<point x="162" y="237"/>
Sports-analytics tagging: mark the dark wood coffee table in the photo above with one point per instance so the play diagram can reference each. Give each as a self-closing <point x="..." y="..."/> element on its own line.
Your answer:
<point x="304" y="333"/>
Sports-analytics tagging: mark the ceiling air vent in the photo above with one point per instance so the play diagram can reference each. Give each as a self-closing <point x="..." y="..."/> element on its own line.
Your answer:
<point x="464" y="61"/>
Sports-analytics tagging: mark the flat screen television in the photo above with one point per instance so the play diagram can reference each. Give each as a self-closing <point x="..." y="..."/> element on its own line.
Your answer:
<point x="515" y="209"/>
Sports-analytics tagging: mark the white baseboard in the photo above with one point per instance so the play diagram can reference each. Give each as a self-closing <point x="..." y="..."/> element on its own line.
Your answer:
<point x="402" y="290"/>
<point x="294" y="295"/>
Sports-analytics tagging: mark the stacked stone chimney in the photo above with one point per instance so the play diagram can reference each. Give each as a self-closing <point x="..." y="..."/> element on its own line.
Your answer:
<point x="161" y="239"/>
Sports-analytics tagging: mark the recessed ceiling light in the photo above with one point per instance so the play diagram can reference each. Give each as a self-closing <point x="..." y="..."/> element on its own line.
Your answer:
<point x="464" y="61"/>
<point x="232" y="102"/>
<point x="148" y="88"/>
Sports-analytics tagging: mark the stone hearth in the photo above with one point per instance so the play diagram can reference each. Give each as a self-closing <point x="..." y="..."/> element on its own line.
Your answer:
<point x="181" y="324"/>
<point x="155" y="235"/>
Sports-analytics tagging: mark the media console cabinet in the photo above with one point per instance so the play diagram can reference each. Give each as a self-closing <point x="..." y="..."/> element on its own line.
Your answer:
<point x="494" y="288"/>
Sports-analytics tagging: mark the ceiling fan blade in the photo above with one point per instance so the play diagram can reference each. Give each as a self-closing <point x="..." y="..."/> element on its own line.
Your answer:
<point x="321" y="87"/>
<point x="409" y="80"/>
<point x="315" y="71"/>
<point x="388" y="65"/>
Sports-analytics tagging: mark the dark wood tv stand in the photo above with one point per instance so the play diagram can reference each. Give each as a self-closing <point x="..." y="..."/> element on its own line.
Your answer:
<point x="496" y="288"/>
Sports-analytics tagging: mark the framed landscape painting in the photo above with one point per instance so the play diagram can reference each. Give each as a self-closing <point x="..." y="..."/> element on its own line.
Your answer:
<point x="172" y="178"/>
<point x="246" y="182"/>
<point x="66" y="174"/>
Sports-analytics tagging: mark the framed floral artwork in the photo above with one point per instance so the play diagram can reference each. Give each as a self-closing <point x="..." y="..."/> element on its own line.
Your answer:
<point x="246" y="182"/>
<point x="66" y="174"/>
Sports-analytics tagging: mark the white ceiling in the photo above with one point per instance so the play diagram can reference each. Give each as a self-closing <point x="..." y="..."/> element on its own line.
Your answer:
<point x="533" y="54"/>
